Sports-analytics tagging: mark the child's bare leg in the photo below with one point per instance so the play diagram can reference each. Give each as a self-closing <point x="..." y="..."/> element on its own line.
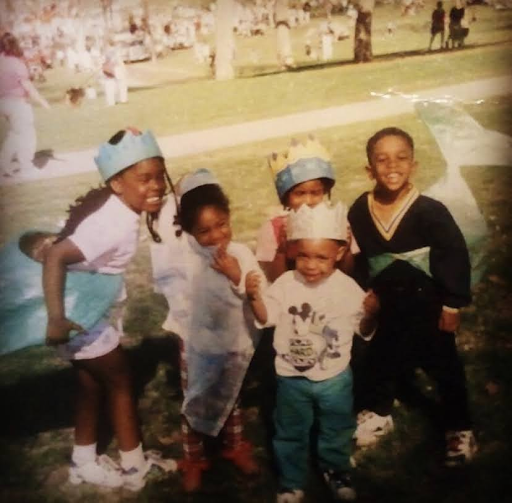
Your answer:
<point x="86" y="466"/>
<point x="112" y="370"/>
<point x="87" y="408"/>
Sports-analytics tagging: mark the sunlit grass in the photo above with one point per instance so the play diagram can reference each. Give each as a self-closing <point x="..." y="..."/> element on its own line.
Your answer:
<point x="37" y="387"/>
<point x="179" y="95"/>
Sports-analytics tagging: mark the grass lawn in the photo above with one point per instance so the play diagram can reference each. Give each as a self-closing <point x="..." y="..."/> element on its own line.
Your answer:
<point x="177" y="95"/>
<point x="37" y="388"/>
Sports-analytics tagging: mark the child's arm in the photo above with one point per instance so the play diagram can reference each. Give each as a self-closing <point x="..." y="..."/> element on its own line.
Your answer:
<point x="347" y="263"/>
<point x="273" y="243"/>
<point x="275" y="268"/>
<point x="59" y="256"/>
<point x="252" y="288"/>
<point x="449" y="321"/>
<point x="371" y="308"/>
<point x="34" y="93"/>
<point x="449" y="265"/>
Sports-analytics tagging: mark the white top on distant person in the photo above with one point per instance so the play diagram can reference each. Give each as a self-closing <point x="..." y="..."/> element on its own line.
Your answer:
<point x="115" y="78"/>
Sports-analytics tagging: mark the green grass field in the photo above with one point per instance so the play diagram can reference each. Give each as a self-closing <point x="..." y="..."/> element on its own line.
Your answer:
<point x="36" y="388"/>
<point x="178" y="95"/>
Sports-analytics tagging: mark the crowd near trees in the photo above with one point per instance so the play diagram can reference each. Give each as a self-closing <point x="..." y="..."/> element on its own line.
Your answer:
<point x="143" y="25"/>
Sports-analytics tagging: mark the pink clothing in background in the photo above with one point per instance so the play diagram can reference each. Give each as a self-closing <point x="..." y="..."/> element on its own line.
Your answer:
<point x="267" y="244"/>
<point x="12" y="72"/>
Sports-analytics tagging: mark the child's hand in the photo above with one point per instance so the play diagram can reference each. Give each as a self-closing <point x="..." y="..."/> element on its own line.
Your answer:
<point x="226" y="264"/>
<point x="449" y="321"/>
<point x="252" y="285"/>
<point x="371" y="303"/>
<point x="57" y="330"/>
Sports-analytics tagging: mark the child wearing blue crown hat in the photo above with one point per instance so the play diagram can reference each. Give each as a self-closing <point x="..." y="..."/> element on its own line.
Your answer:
<point x="214" y="323"/>
<point x="82" y="269"/>
<point x="302" y="175"/>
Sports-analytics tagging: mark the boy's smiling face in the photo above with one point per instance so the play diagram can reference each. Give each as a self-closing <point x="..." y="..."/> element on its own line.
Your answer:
<point x="316" y="258"/>
<point x="392" y="164"/>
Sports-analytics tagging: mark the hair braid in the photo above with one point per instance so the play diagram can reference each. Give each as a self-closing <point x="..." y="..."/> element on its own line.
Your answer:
<point x="84" y="206"/>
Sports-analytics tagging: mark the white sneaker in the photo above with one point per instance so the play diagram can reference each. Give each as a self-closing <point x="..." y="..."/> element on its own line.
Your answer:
<point x="461" y="447"/>
<point x="101" y="472"/>
<point x="290" y="496"/>
<point x="134" y="478"/>
<point x="370" y="427"/>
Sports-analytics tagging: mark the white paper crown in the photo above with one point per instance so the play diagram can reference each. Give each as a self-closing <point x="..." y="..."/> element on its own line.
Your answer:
<point x="324" y="221"/>
<point x="191" y="181"/>
<point x="133" y="148"/>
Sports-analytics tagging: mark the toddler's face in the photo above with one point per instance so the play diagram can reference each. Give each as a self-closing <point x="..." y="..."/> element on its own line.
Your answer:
<point x="142" y="187"/>
<point x="392" y="164"/>
<point x="212" y="227"/>
<point x="311" y="193"/>
<point x="316" y="258"/>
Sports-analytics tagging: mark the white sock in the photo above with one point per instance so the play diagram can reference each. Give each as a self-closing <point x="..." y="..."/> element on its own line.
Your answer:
<point x="83" y="454"/>
<point x="134" y="458"/>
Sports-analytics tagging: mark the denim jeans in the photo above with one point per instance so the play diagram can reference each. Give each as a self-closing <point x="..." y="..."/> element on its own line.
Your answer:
<point x="299" y="402"/>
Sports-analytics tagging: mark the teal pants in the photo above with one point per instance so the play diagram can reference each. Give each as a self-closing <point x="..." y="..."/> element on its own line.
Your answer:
<point x="299" y="402"/>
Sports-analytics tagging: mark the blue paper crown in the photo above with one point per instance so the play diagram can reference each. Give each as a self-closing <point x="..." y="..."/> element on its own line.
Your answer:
<point x="301" y="171"/>
<point x="133" y="148"/>
<point x="193" y="180"/>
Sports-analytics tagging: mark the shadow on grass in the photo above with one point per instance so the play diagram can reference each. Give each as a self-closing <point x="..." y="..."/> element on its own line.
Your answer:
<point x="45" y="402"/>
<point x="406" y="466"/>
<point x="266" y="70"/>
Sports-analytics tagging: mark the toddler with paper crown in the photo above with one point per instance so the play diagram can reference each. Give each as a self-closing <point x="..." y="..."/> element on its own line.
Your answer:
<point x="82" y="268"/>
<point x="418" y="263"/>
<point x="316" y="310"/>
<point x="302" y="175"/>
<point x="206" y="275"/>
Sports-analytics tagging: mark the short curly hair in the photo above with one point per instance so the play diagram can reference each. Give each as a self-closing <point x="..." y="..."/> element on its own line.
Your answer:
<point x="382" y="133"/>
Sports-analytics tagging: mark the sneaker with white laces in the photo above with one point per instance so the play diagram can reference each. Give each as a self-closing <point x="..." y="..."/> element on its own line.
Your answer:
<point x="103" y="471"/>
<point x="134" y="478"/>
<point x="370" y="427"/>
<point x="461" y="447"/>
<point x="340" y="484"/>
<point x="290" y="496"/>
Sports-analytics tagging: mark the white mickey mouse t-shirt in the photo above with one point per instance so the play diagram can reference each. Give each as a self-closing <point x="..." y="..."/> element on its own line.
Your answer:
<point x="314" y="323"/>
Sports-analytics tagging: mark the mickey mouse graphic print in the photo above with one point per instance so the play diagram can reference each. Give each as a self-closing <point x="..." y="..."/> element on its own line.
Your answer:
<point x="314" y="323"/>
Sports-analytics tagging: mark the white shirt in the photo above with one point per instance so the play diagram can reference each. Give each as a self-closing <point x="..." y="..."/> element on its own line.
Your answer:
<point x="107" y="238"/>
<point x="219" y="317"/>
<point x="314" y="323"/>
